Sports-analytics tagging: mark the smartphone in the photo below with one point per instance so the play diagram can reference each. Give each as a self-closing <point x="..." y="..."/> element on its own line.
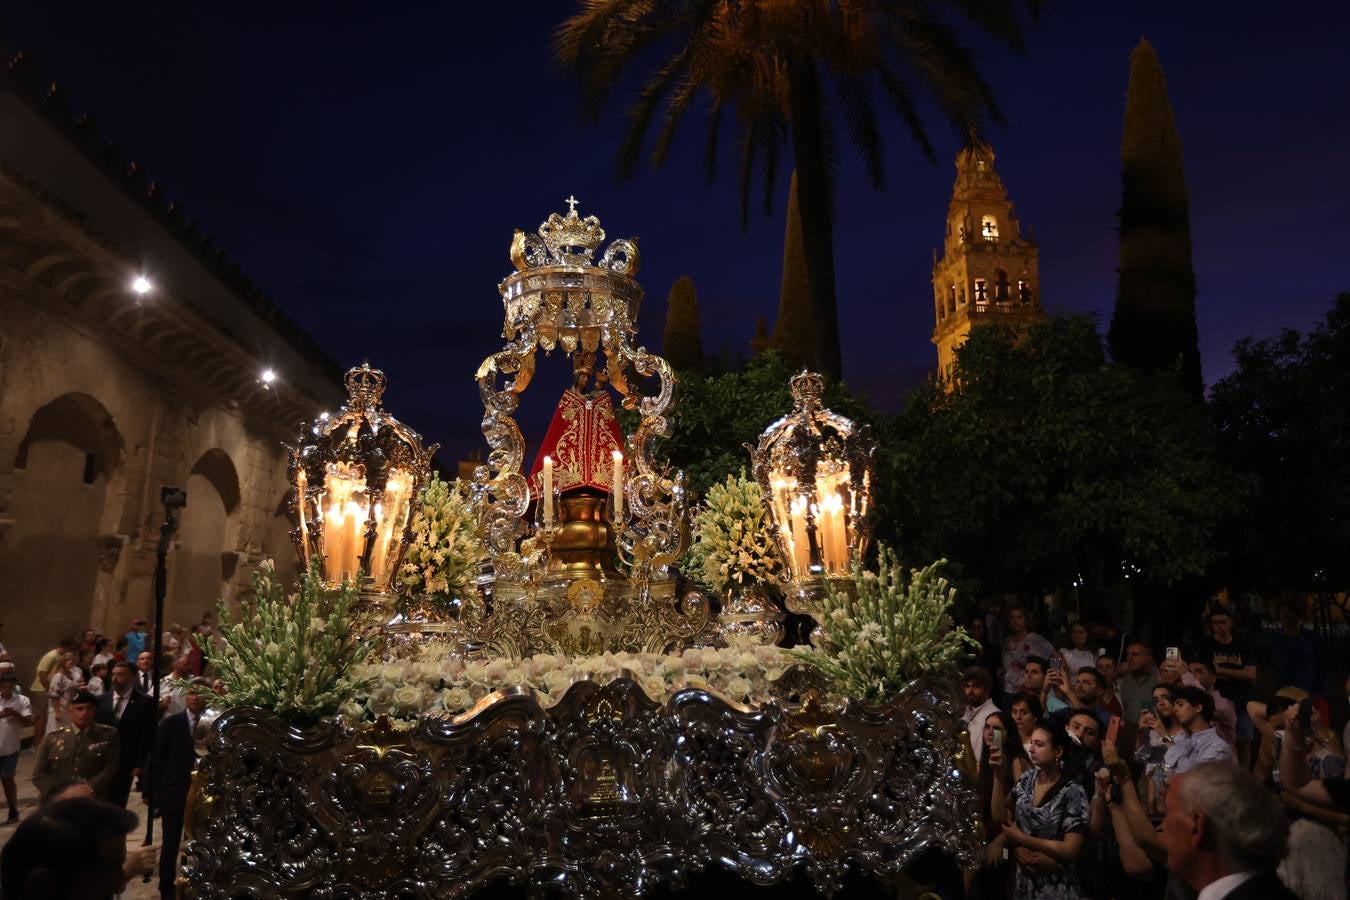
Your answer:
<point x="1148" y="705"/>
<point x="1173" y="653"/>
<point x="996" y="739"/>
<point x="1054" y="663"/>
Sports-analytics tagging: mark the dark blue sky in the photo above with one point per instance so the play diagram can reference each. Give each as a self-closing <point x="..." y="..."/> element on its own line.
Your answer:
<point x="368" y="169"/>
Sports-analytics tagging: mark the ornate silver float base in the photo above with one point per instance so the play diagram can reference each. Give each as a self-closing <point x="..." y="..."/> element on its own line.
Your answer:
<point x="606" y="794"/>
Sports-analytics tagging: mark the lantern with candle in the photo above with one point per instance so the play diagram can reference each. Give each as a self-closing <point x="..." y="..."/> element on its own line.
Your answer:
<point x="815" y="470"/>
<point x="355" y="478"/>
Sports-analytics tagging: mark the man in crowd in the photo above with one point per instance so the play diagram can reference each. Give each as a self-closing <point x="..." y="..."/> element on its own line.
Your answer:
<point x="1193" y="708"/>
<point x="16" y="714"/>
<point x="131" y="713"/>
<point x="1296" y="651"/>
<point x="1036" y="680"/>
<point x="173" y="688"/>
<point x="171" y="775"/>
<point x="1135" y="687"/>
<point x="145" y="672"/>
<point x="978" y="686"/>
<point x="135" y="638"/>
<point x="1085" y="730"/>
<point x="1225" y="717"/>
<point x="72" y="849"/>
<point x="1225" y="834"/>
<point x="1107" y="666"/>
<point x="37" y="691"/>
<point x="1234" y="663"/>
<point x="83" y="749"/>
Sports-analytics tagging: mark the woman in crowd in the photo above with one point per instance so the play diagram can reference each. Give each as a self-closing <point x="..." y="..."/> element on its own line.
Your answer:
<point x="1002" y="751"/>
<point x="98" y="679"/>
<point x="65" y="681"/>
<point x="1047" y="816"/>
<point x="1080" y="655"/>
<point x="1026" y="711"/>
<point x="1157" y="730"/>
<point x="103" y="652"/>
<point x="1022" y="643"/>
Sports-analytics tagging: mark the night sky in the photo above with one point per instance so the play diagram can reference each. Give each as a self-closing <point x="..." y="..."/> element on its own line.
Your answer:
<point x="368" y="171"/>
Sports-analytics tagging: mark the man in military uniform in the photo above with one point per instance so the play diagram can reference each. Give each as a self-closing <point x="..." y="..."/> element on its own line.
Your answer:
<point x="83" y="749"/>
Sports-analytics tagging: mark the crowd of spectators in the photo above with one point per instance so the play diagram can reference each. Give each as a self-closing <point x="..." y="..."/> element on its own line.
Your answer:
<point x="1107" y="769"/>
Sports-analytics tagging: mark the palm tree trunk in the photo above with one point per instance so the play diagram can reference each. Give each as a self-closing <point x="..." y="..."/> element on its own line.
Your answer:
<point x="813" y="195"/>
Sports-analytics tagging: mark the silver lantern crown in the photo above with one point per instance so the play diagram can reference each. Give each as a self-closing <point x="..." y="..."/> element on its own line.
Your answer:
<point x="355" y="478"/>
<point x="815" y="470"/>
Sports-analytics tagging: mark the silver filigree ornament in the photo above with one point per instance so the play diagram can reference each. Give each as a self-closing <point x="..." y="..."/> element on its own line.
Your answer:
<point x="814" y="468"/>
<point x="559" y="298"/>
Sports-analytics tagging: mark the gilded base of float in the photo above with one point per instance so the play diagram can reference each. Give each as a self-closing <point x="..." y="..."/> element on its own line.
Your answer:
<point x="606" y="794"/>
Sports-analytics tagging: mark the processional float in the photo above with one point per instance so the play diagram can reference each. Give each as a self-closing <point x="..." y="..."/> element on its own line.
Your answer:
<point x="608" y="792"/>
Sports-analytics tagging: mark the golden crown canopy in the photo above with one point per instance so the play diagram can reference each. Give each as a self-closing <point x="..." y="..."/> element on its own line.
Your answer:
<point x="558" y="290"/>
<point x="355" y="478"/>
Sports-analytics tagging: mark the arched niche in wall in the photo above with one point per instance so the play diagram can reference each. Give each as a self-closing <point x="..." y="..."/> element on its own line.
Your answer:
<point x="70" y="452"/>
<point x="278" y="546"/>
<point x="204" y="559"/>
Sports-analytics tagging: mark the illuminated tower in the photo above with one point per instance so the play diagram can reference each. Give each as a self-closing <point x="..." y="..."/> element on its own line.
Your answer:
<point x="988" y="271"/>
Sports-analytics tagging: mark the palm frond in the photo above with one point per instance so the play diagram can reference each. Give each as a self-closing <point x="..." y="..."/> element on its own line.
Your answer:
<point x="855" y="99"/>
<point x="640" y="113"/>
<point x="901" y="98"/>
<point x="710" y="147"/>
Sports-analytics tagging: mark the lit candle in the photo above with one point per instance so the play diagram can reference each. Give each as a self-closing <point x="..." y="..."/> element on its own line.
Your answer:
<point x="548" y="491"/>
<point x="617" y="485"/>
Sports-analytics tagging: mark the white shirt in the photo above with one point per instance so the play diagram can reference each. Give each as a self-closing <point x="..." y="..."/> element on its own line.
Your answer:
<point x="975" y="719"/>
<point x="1217" y="890"/>
<point x="11" y="729"/>
<point x="175" y="689"/>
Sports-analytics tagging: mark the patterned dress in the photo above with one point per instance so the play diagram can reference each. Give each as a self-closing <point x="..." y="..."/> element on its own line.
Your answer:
<point x="1063" y="811"/>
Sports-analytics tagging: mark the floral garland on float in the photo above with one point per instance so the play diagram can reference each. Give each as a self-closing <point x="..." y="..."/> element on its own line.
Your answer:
<point x="441" y="567"/>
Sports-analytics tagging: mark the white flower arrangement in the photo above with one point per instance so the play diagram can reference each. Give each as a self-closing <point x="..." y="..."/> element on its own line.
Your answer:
<point x="889" y="631"/>
<point x="437" y="685"/>
<point x="295" y="656"/>
<point x="733" y="543"/>
<point x="441" y="563"/>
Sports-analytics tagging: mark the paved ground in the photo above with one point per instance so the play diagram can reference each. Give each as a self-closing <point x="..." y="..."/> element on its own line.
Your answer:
<point x="28" y="803"/>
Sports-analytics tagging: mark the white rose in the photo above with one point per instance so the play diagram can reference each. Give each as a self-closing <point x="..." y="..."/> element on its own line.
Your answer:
<point x="737" y="687"/>
<point x="475" y="671"/>
<point x="654" y="686"/>
<point x="456" y="700"/>
<point x="408" y="698"/>
<point x="381" y="700"/>
<point x="496" y="672"/>
<point x="514" y="676"/>
<point x="428" y="671"/>
<point x="558" y="681"/>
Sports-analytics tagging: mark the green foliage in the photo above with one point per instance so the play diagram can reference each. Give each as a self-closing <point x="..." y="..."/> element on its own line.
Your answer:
<point x="1284" y="416"/>
<point x="1154" y="326"/>
<point x="680" y="343"/>
<point x="295" y="656"/>
<point x="888" y="631"/>
<point x="733" y="541"/>
<point x="1045" y="465"/>
<point x="442" y="561"/>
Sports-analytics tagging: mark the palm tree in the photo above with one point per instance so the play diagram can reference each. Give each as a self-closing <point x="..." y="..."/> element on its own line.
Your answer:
<point x="771" y="64"/>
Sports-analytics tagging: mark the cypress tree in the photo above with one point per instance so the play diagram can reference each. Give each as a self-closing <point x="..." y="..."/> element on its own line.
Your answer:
<point x="793" y="334"/>
<point x="680" y="341"/>
<point x="1154" y="321"/>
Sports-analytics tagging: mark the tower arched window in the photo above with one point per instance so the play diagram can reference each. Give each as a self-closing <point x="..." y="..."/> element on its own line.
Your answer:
<point x="1024" y="292"/>
<point x="989" y="228"/>
<point x="951" y="299"/>
<point x="1000" y="286"/>
<point x="981" y="291"/>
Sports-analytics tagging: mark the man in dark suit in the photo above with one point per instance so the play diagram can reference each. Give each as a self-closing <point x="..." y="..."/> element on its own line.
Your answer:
<point x="1225" y="834"/>
<point x="170" y="776"/>
<point x="133" y="715"/>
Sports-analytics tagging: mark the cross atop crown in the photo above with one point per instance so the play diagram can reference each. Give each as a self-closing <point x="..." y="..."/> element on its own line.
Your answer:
<point x="570" y="239"/>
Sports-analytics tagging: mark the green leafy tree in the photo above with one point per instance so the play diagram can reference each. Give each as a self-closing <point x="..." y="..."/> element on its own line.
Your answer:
<point x="719" y="414"/>
<point x="1046" y="466"/>
<point x="680" y="343"/>
<point x="1154" y="327"/>
<point x="1284" y="416"/>
<point x="772" y="65"/>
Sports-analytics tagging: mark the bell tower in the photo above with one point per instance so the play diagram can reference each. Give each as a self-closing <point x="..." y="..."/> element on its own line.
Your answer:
<point x="988" y="272"/>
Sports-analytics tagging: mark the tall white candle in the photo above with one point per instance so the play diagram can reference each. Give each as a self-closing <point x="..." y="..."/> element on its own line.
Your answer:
<point x="548" y="490"/>
<point x="617" y="484"/>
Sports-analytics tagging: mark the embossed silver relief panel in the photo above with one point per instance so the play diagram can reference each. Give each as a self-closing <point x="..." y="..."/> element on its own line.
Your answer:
<point x="608" y="793"/>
